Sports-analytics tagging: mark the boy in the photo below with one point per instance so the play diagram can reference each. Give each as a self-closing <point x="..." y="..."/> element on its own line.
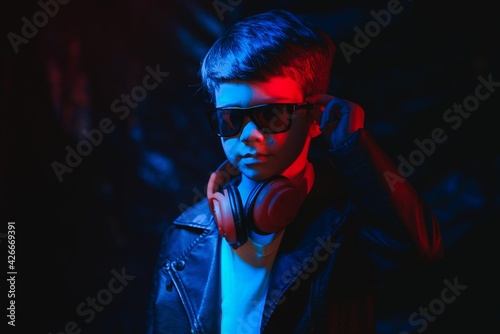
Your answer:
<point x="290" y="239"/>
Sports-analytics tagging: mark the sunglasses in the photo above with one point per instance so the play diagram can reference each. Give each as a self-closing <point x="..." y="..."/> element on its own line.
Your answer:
<point x="269" y="118"/>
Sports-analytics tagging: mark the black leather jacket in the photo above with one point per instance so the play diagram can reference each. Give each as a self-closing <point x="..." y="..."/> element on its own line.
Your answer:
<point x="360" y="224"/>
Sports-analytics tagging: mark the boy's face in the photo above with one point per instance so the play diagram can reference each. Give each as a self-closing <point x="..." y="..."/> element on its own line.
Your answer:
<point x="260" y="155"/>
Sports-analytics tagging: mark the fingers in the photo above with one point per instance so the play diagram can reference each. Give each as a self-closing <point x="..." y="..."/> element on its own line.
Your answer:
<point x="328" y="109"/>
<point x="319" y="101"/>
<point x="339" y="118"/>
<point x="330" y="118"/>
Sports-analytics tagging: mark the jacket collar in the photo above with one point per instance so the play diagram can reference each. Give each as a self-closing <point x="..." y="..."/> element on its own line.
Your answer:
<point x="197" y="216"/>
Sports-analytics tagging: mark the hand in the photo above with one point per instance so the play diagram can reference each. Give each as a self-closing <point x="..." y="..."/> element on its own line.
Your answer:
<point x="337" y="118"/>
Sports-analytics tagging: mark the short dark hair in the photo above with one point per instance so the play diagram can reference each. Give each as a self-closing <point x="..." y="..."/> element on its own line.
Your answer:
<point x="275" y="43"/>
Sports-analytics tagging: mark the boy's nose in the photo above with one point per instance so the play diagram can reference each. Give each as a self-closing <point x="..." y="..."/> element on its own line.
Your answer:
<point x="250" y="131"/>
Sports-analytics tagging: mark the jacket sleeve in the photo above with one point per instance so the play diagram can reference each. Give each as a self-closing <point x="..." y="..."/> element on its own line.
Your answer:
<point x="393" y="217"/>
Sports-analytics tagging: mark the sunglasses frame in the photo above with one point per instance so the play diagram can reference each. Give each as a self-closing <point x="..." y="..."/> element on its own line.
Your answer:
<point x="250" y="112"/>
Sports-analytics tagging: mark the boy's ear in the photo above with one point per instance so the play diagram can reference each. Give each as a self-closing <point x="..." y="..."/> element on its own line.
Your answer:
<point x="314" y="130"/>
<point x="314" y="119"/>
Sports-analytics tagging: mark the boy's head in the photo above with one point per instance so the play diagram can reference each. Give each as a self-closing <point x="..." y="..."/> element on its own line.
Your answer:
<point x="259" y="73"/>
<point x="276" y="43"/>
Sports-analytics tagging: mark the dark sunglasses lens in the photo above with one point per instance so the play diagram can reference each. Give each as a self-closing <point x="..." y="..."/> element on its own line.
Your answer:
<point x="226" y="122"/>
<point x="273" y="118"/>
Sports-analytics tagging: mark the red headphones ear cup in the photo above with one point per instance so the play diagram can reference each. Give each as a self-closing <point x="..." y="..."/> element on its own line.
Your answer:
<point x="270" y="206"/>
<point x="273" y="204"/>
<point x="230" y="216"/>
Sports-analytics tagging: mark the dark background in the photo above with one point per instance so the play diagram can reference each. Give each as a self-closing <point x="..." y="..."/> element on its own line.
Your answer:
<point x="109" y="212"/>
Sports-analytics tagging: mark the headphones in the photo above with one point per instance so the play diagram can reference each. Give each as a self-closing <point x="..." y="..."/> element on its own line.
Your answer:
<point x="271" y="205"/>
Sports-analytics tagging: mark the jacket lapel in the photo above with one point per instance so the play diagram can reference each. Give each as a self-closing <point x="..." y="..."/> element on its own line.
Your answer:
<point x="196" y="271"/>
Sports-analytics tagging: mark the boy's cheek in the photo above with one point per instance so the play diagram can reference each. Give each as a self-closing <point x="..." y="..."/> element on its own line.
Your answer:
<point x="230" y="149"/>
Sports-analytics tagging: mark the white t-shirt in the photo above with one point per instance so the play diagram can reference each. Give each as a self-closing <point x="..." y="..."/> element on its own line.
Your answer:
<point x="244" y="281"/>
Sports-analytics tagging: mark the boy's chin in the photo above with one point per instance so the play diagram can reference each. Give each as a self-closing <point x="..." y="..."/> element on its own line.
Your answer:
<point x="259" y="172"/>
<point x="258" y="177"/>
<point x="252" y="174"/>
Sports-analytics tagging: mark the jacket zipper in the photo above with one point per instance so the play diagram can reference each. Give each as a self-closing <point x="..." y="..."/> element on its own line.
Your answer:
<point x="168" y="269"/>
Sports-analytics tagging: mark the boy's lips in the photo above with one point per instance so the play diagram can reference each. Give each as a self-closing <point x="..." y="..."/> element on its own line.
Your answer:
<point x="254" y="157"/>
<point x="255" y="154"/>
